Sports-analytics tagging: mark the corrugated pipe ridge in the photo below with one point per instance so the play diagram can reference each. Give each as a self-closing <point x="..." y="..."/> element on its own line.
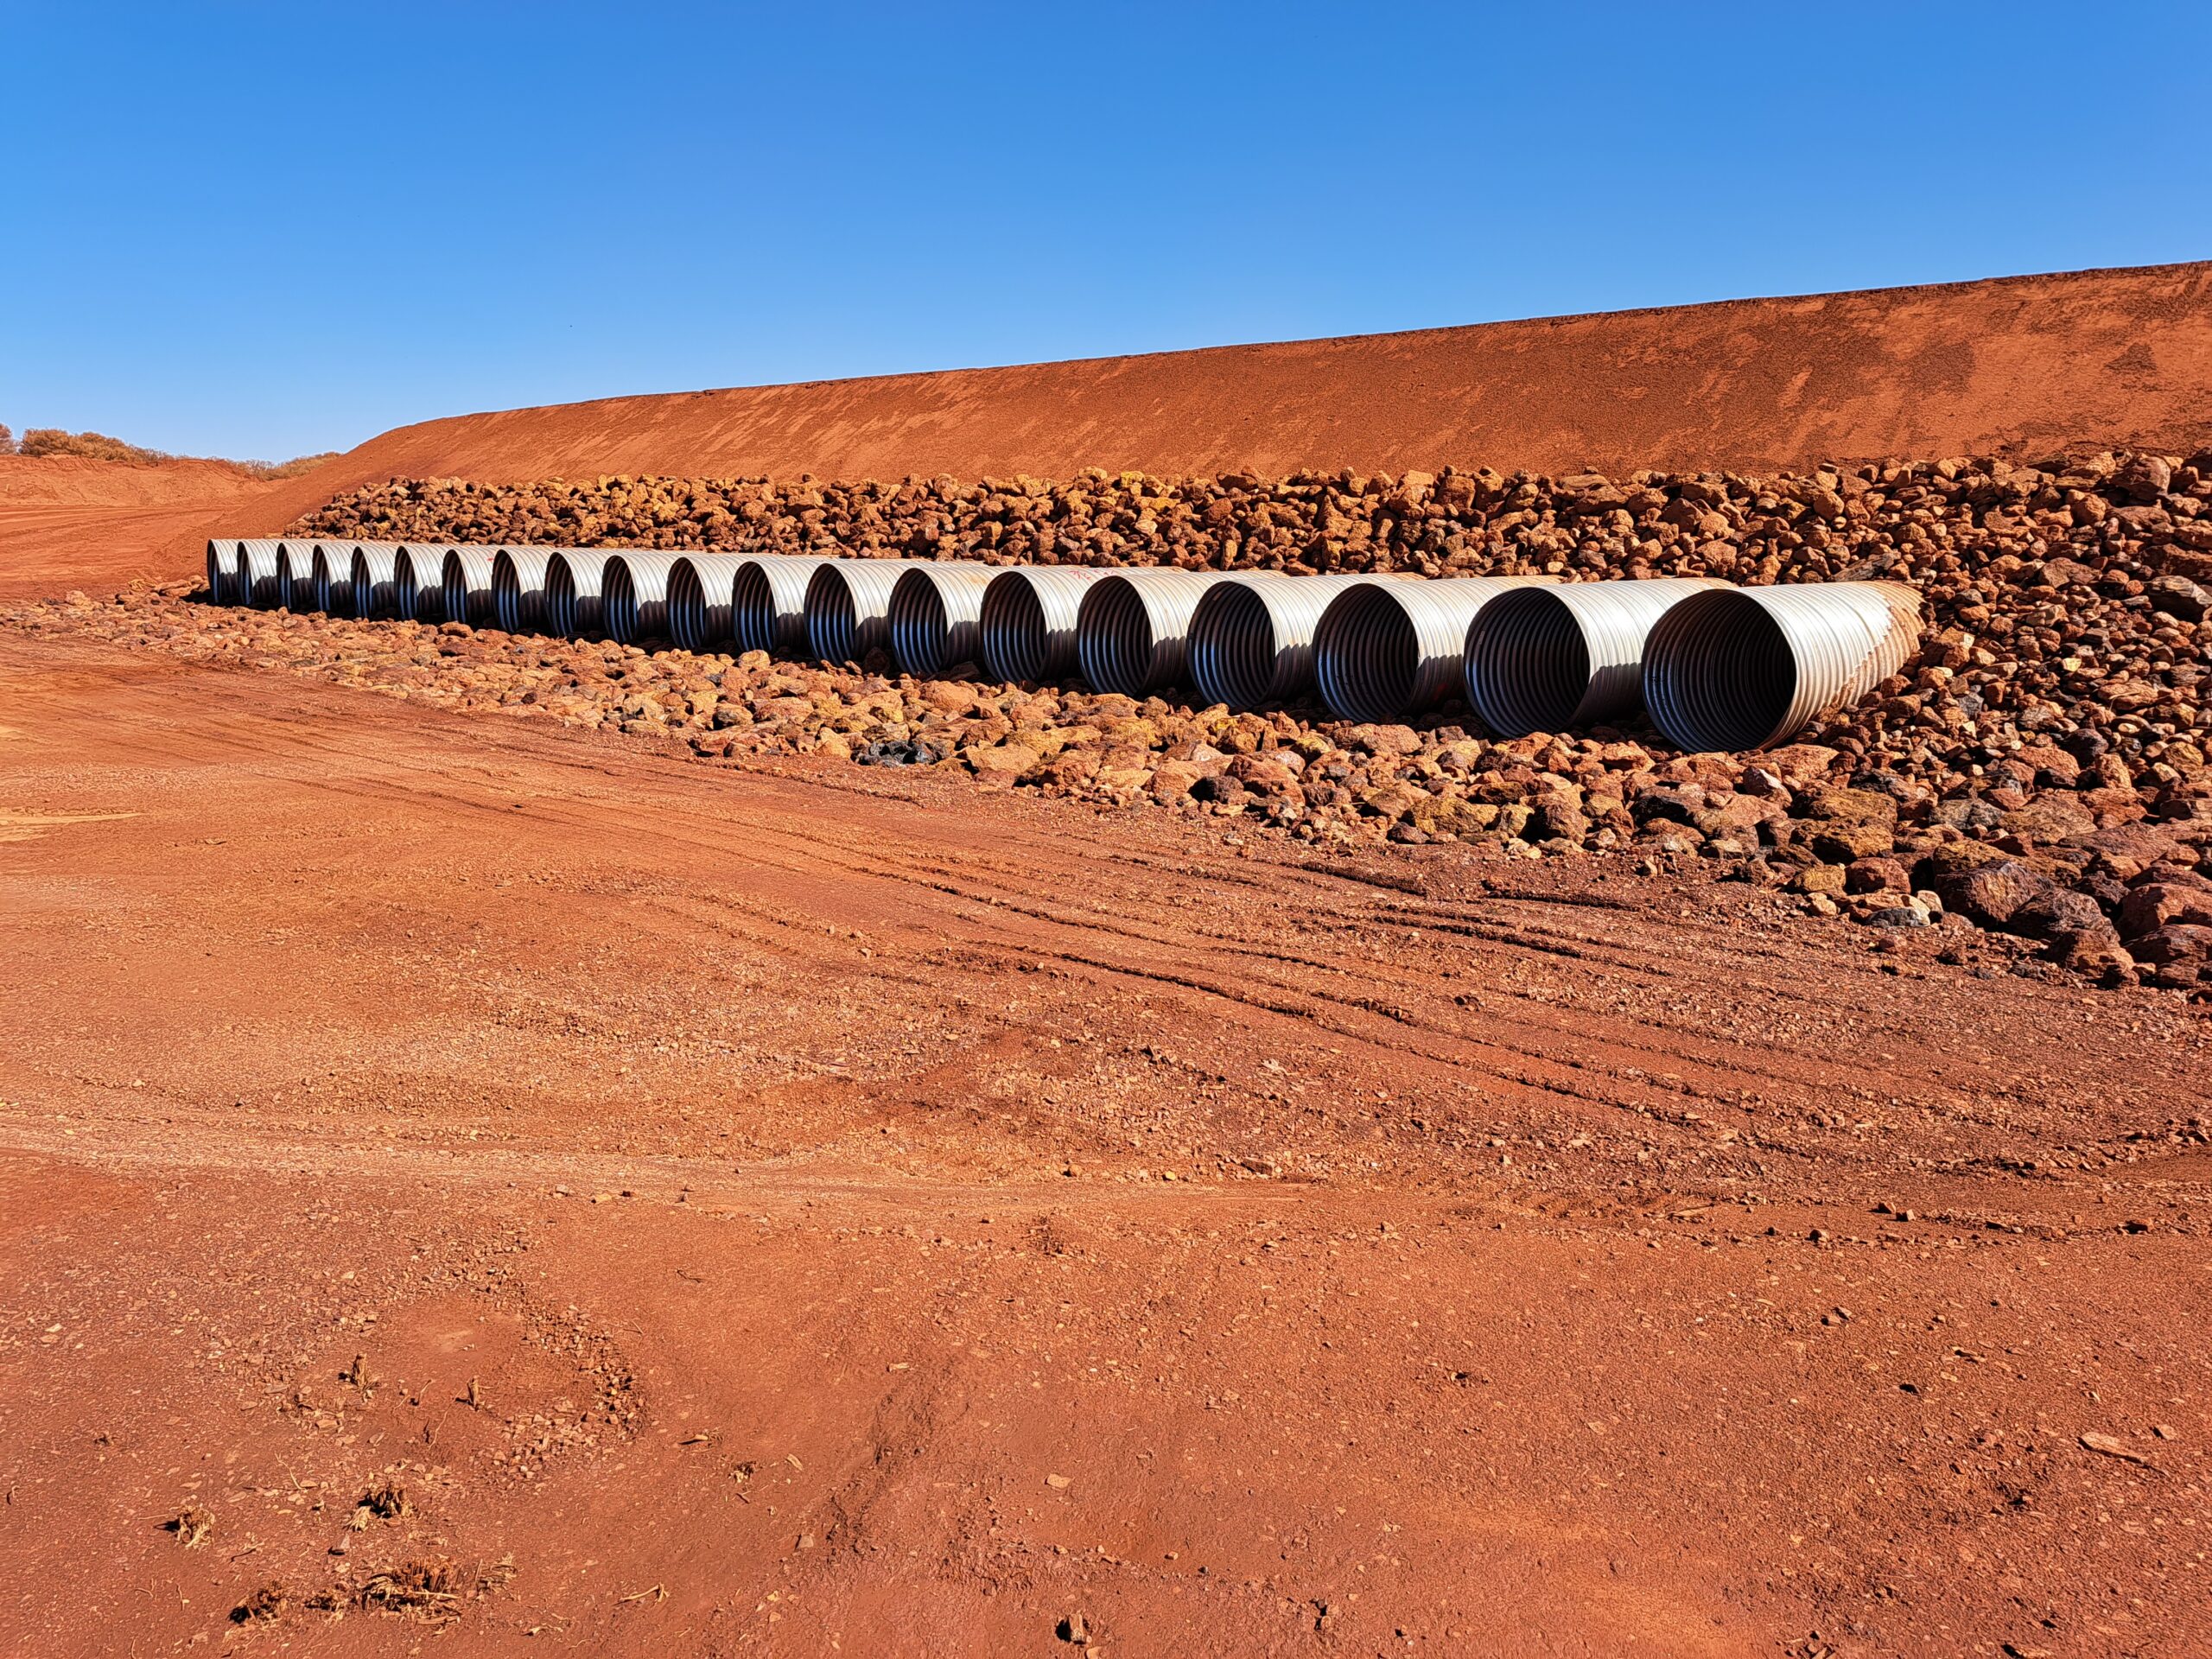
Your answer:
<point x="1546" y="659"/>
<point x="1131" y="631"/>
<point x="702" y="589"/>
<point x="849" y="606"/>
<point x="465" y="583"/>
<point x="519" y="588"/>
<point x="937" y="615"/>
<point x="221" y="557"/>
<point x="332" y="576"/>
<point x="1386" y="650"/>
<point x="1028" y="620"/>
<point x="572" y="592"/>
<point x="633" y="594"/>
<point x="294" y="575"/>
<point x="768" y="601"/>
<point x="1741" y="667"/>
<point x="418" y="582"/>
<point x="1252" y="635"/>
<point x="253" y="574"/>
<point x="371" y="578"/>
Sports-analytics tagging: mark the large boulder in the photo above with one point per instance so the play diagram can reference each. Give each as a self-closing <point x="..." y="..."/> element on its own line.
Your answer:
<point x="1994" y="894"/>
<point x="2155" y="905"/>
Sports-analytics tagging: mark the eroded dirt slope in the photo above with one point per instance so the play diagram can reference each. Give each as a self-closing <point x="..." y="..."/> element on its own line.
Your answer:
<point x="736" y="1208"/>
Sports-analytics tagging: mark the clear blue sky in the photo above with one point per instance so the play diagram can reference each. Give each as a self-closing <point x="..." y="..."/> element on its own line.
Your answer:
<point x="263" y="230"/>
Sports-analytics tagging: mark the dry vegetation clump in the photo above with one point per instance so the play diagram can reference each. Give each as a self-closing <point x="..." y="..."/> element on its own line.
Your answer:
<point x="434" y="1589"/>
<point x="90" y="446"/>
<point x="97" y="446"/>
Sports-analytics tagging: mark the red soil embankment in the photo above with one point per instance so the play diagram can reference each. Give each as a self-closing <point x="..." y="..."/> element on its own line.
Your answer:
<point x="2018" y="365"/>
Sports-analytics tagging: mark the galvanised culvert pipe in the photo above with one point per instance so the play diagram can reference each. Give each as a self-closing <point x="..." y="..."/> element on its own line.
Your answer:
<point x="702" y="591"/>
<point x="375" y="588"/>
<point x="519" y="588"/>
<point x="465" y="584"/>
<point x="1028" y="620"/>
<point x="849" y="606"/>
<point x="1743" y="668"/>
<point x="572" y="592"/>
<point x="768" y="601"/>
<point x="1547" y="659"/>
<point x="936" y="611"/>
<point x="418" y="582"/>
<point x="1386" y="650"/>
<point x="1252" y="635"/>
<point x="1131" y="630"/>
<point x="253" y="575"/>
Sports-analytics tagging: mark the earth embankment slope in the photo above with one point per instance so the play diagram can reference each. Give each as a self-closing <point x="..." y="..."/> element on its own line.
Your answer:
<point x="2019" y="366"/>
<point x="2015" y="364"/>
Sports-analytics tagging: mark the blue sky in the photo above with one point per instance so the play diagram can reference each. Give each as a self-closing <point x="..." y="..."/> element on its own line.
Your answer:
<point x="263" y="230"/>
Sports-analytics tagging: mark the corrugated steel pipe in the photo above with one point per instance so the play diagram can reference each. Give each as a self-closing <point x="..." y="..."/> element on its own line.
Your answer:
<point x="937" y="611"/>
<point x="1388" y="649"/>
<point x="1131" y="631"/>
<point x="519" y="588"/>
<point x="1028" y="620"/>
<point x="465" y="584"/>
<point x="1743" y="668"/>
<point x="849" y="606"/>
<point x="1546" y="659"/>
<point x="634" y="595"/>
<point x="572" y="592"/>
<point x="702" y="588"/>
<point x="768" y="601"/>
<point x="1252" y="635"/>
<point x="253" y="575"/>
<point x="375" y="592"/>
<point x="418" y="582"/>
<point x="221" y="556"/>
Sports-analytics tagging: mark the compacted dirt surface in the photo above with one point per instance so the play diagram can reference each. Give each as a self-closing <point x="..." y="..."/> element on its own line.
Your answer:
<point x="472" y="1182"/>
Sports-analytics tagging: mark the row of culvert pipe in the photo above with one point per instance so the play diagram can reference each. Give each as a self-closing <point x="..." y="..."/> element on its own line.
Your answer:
<point x="1717" y="666"/>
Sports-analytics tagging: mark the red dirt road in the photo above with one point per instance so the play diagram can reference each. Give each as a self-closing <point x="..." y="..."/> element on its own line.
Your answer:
<point x="739" y="1202"/>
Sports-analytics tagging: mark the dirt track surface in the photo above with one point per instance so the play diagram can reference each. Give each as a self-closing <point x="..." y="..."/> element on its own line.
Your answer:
<point x="734" y="1205"/>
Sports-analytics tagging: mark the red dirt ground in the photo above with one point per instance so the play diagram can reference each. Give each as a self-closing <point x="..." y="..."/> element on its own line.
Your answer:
<point x="1523" y="1282"/>
<point x="736" y="1206"/>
